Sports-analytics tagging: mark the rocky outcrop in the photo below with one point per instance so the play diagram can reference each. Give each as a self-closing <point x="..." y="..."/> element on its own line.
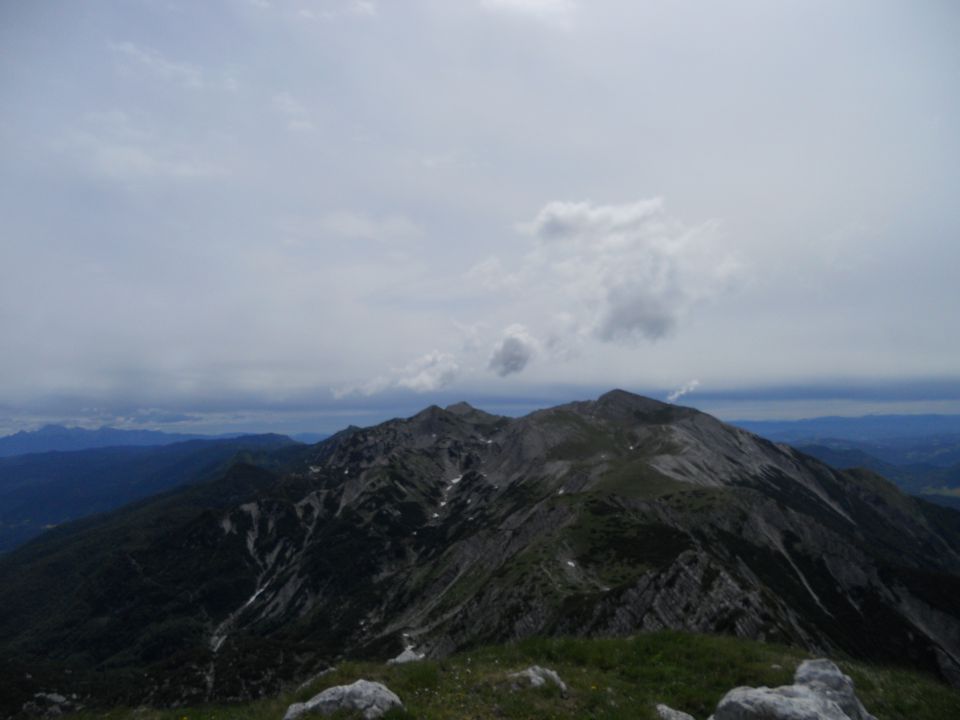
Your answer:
<point x="665" y="712"/>
<point x="537" y="676"/>
<point x="827" y="679"/>
<point x="407" y="656"/>
<point x="372" y="699"/>
<point x="790" y="702"/>
<point x="820" y="692"/>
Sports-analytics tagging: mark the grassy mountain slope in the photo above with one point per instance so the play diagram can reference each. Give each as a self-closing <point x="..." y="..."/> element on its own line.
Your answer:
<point x="609" y="678"/>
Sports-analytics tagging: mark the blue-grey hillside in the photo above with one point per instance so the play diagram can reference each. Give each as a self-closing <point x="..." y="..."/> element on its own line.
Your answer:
<point x="455" y="527"/>
<point x="59" y="438"/>
<point x="42" y="490"/>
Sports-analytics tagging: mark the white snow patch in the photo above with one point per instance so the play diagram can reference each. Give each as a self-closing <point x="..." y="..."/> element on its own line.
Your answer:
<point x="436" y="515"/>
<point x="571" y="563"/>
<point x="560" y="491"/>
<point x="457" y="479"/>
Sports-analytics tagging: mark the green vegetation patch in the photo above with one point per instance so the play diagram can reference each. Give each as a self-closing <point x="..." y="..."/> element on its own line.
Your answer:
<point x="608" y="679"/>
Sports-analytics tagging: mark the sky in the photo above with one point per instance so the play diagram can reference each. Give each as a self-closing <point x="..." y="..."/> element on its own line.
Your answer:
<point x="298" y="214"/>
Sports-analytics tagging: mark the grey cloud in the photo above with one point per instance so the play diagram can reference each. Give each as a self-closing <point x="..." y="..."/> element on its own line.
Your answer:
<point x="513" y="352"/>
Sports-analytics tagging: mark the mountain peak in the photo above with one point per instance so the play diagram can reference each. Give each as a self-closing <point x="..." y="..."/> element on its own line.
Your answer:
<point x="460" y="408"/>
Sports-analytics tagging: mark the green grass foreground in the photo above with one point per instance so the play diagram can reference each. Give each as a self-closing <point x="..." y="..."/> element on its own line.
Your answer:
<point x="607" y="679"/>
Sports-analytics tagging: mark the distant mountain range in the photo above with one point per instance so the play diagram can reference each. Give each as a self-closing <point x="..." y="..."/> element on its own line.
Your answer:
<point x="41" y="490"/>
<point x="61" y="439"/>
<point x="58" y="437"/>
<point x="868" y="428"/>
<point x="456" y="528"/>
<point x="920" y="453"/>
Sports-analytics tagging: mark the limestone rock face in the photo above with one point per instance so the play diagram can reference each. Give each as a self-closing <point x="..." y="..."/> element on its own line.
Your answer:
<point x="826" y="678"/>
<point x="665" y="712"/>
<point x="790" y="702"/>
<point x="539" y="677"/>
<point x="408" y="655"/>
<point x="370" y="698"/>
<point x="820" y="692"/>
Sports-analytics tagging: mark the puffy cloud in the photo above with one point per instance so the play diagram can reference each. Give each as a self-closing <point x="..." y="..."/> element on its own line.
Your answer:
<point x="627" y="272"/>
<point x="432" y="371"/>
<point x="683" y="390"/>
<point x="513" y="352"/>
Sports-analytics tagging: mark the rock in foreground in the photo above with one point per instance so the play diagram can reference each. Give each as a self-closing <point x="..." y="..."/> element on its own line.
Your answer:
<point x="370" y="698"/>
<point x="820" y="692"/>
<point x="538" y="677"/>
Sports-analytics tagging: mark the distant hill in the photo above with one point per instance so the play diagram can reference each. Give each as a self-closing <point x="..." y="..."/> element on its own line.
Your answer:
<point x="937" y="484"/>
<point x="39" y="491"/>
<point x="58" y="437"/>
<point x="869" y="428"/>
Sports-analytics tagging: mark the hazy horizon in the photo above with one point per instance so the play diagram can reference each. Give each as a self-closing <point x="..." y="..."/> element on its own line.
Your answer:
<point x="294" y="216"/>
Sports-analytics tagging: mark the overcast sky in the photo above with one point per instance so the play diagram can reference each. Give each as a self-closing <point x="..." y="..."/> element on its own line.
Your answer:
<point x="295" y="214"/>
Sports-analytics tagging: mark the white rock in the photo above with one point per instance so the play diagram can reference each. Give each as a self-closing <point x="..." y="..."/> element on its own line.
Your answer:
<point x="539" y="676"/>
<point x="790" y="702"/>
<point x="408" y="655"/>
<point x="370" y="698"/>
<point x="826" y="678"/>
<point x="668" y="713"/>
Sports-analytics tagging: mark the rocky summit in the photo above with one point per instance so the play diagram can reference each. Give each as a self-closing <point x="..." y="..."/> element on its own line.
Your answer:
<point x="455" y="528"/>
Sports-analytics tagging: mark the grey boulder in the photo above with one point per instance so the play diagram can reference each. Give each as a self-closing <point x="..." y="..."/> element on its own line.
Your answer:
<point x="790" y="702"/>
<point x="826" y="678"/>
<point x="665" y="712"/>
<point x="407" y="656"/>
<point x="538" y="677"/>
<point x="820" y="692"/>
<point x="370" y="698"/>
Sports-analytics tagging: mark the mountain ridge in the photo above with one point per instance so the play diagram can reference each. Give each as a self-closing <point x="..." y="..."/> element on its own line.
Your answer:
<point x="454" y="528"/>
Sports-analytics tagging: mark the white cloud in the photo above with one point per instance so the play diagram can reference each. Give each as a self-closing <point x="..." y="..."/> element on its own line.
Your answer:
<point x="513" y="352"/>
<point x="432" y="371"/>
<point x="184" y="74"/>
<point x="688" y="387"/>
<point x="627" y="272"/>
